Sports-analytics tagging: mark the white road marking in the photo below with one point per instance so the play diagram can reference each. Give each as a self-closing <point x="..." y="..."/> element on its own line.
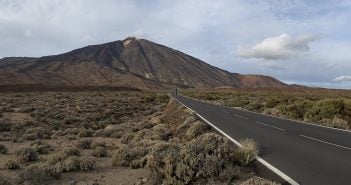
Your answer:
<point x="344" y="147"/>
<point x="259" y="159"/>
<point x="240" y="116"/>
<point x="270" y="126"/>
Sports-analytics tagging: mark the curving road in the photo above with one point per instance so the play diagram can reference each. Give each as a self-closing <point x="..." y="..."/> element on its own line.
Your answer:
<point x="309" y="154"/>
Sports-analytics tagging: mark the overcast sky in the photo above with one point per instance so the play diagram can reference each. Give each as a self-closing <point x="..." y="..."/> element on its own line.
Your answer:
<point x="306" y="42"/>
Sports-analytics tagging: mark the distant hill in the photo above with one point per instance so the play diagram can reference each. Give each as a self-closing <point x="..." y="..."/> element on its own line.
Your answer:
<point x="134" y="63"/>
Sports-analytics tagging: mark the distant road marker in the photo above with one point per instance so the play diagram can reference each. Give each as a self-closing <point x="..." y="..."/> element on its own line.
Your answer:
<point x="281" y="129"/>
<point x="325" y="142"/>
<point x="240" y="116"/>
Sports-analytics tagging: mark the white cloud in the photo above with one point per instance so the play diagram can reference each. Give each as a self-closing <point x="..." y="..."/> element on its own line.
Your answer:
<point x="280" y="47"/>
<point x="343" y="78"/>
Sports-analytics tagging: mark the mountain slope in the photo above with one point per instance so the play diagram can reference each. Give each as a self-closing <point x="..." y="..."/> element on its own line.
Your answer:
<point x="131" y="62"/>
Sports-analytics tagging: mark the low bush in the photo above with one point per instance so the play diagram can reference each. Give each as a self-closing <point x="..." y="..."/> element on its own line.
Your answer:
<point x="71" y="151"/>
<point x="85" y="133"/>
<point x="12" y="164"/>
<point x="34" y="175"/>
<point x="197" y="128"/>
<point x="4" y="181"/>
<point x="84" y="143"/>
<point x="129" y="155"/>
<point x="127" y="138"/>
<point x="247" y="154"/>
<point x="36" y="133"/>
<point x="3" y="149"/>
<point x="86" y="164"/>
<point x="99" y="152"/>
<point x="208" y="156"/>
<point x="98" y="144"/>
<point x="26" y="155"/>
<point x="40" y="147"/>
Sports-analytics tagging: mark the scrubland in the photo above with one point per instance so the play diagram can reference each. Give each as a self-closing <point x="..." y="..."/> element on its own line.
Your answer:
<point x="326" y="107"/>
<point x="114" y="138"/>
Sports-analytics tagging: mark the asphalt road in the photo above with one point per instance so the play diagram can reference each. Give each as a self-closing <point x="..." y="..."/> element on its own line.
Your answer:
<point x="309" y="154"/>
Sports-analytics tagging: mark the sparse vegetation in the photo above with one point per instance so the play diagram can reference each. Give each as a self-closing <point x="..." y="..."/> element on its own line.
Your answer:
<point x="58" y="133"/>
<point x="322" y="106"/>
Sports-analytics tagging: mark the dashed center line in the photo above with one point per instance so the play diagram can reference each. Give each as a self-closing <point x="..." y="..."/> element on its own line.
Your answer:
<point x="344" y="147"/>
<point x="281" y="129"/>
<point x="240" y="116"/>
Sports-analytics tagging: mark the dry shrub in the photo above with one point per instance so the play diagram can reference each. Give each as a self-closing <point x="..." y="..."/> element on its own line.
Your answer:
<point x="98" y="144"/>
<point x="70" y="164"/>
<point x="197" y="128"/>
<point x="40" y="147"/>
<point x="85" y="133"/>
<point x="130" y="156"/>
<point x="36" y="133"/>
<point x="26" y="155"/>
<point x="208" y="156"/>
<point x="84" y="143"/>
<point x="3" y="149"/>
<point x="71" y="151"/>
<point x="258" y="181"/>
<point x="12" y="164"/>
<point x="127" y="138"/>
<point x="4" y="181"/>
<point x="34" y="175"/>
<point x="247" y="154"/>
<point x="99" y="152"/>
<point x="86" y="164"/>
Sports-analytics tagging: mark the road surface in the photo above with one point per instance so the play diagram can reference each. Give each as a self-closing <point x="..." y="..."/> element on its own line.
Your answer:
<point x="309" y="154"/>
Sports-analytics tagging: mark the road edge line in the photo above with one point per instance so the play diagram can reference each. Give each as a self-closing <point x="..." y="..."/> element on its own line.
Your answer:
<point x="259" y="159"/>
<point x="288" y="119"/>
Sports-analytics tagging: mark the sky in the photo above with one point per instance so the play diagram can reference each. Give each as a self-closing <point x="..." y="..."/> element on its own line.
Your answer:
<point x="302" y="42"/>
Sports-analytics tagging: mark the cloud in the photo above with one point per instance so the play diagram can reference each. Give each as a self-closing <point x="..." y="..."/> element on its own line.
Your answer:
<point x="283" y="46"/>
<point x="343" y="78"/>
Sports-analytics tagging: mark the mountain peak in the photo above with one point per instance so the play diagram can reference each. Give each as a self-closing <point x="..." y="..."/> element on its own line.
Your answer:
<point x="127" y="41"/>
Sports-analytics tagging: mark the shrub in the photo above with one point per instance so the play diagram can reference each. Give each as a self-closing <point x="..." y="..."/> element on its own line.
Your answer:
<point x="11" y="164"/>
<point x="26" y="155"/>
<point x="99" y="152"/>
<point x="34" y="176"/>
<point x="84" y="143"/>
<point x="98" y="144"/>
<point x="4" y="181"/>
<point x="196" y="129"/>
<point x="36" y="133"/>
<point x="71" y="151"/>
<point x="258" y="181"/>
<point x="208" y="156"/>
<point x="40" y="147"/>
<point x="127" y="155"/>
<point x="85" y="133"/>
<point x="3" y="149"/>
<point x="127" y="138"/>
<point x="86" y="164"/>
<point x="70" y="164"/>
<point x="247" y="154"/>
